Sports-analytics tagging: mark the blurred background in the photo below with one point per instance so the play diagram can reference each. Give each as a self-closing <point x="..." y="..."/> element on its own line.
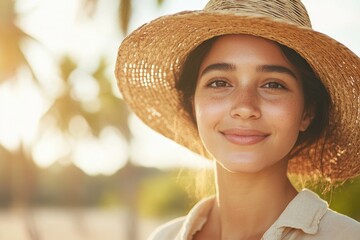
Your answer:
<point x="75" y="163"/>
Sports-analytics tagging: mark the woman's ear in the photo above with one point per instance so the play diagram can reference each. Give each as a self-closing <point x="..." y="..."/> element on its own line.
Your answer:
<point x="307" y="118"/>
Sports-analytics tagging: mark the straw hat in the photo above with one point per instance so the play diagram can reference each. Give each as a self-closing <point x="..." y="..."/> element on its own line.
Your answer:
<point x="150" y="61"/>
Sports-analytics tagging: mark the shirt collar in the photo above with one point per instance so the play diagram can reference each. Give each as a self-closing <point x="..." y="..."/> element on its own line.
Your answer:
<point x="196" y="218"/>
<point x="303" y="212"/>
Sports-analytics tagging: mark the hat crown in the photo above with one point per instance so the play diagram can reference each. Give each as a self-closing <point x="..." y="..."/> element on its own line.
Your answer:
<point x="291" y="11"/>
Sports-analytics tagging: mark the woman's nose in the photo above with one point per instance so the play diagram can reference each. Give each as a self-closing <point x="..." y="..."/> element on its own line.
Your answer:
<point x="245" y="104"/>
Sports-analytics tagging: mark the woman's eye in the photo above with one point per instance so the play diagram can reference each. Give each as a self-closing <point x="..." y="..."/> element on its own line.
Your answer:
<point x="219" y="84"/>
<point x="274" y="85"/>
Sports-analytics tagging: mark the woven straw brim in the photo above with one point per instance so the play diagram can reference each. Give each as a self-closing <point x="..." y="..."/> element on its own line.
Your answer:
<point x="150" y="60"/>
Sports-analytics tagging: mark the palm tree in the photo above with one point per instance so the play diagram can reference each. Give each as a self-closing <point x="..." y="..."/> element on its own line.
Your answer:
<point x="12" y="36"/>
<point x="21" y="168"/>
<point x="113" y="111"/>
<point x="125" y="11"/>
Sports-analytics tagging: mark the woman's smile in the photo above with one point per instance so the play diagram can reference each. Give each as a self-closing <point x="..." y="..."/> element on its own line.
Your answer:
<point x="246" y="137"/>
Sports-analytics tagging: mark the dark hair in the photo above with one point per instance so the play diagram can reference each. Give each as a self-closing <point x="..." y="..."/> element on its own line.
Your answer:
<point x="316" y="97"/>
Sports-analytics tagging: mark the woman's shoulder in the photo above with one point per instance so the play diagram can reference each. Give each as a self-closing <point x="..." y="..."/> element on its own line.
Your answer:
<point x="168" y="230"/>
<point x="184" y="227"/>
<point x="339" y="226"/>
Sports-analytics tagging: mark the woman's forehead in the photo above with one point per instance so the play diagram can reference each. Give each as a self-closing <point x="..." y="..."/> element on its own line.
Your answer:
<point x="245" y="50"/>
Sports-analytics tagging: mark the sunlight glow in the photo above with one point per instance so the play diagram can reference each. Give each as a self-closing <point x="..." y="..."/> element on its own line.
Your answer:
<point x="21" y="106"/>
<point x="85" y="88"/>
<point x="101" y="156"/>
<point x="51" y="147"/>
<point x="61" y="30"/>
<point x="149" y="147"/>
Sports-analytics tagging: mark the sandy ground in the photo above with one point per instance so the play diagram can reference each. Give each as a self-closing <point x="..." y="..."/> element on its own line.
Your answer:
<point x="79" y="224"/>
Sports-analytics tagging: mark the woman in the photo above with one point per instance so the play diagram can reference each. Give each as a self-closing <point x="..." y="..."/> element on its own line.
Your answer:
<point x="249" y="85"/>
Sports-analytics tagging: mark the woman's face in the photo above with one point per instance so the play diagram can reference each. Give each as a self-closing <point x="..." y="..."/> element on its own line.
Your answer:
<point x="248" y="103"/>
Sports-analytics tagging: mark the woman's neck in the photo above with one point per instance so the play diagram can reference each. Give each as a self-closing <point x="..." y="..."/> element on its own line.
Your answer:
<point x="248" y="204"/>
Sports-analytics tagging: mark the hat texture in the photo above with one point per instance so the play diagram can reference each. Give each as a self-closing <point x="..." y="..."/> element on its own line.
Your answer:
<point x="150" y="60"/>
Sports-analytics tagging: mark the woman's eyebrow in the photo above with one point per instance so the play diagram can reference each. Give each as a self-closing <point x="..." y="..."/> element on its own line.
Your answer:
<point x="219" y="66"/>
<point x="276" y="68"/>
<point x="261" y="68"/>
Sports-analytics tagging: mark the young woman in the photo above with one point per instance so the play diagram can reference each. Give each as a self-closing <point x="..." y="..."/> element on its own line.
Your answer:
<point x="249" y="85"/>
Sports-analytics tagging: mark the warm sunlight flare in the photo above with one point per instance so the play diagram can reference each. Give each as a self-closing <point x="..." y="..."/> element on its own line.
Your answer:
<point x="76" y="162"/>
<point x="101" y="156"/>
<point x="21" y="107"/>
<point x="67" y="30"/>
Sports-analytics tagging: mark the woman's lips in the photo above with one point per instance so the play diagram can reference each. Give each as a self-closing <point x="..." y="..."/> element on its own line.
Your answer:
<point x="244" y="136"/>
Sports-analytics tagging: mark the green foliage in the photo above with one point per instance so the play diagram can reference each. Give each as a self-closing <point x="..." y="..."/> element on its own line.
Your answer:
<point x="110" y="199"/>
<point x="345" y="198"/>
<point x="199" y="183"/>
<point x="342" y="197"/>
<point x="160" y="2"/>
<point x="162" y="196"/>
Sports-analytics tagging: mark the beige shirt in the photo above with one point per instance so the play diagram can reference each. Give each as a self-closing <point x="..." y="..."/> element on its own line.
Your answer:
<point x="307" y="217"/>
